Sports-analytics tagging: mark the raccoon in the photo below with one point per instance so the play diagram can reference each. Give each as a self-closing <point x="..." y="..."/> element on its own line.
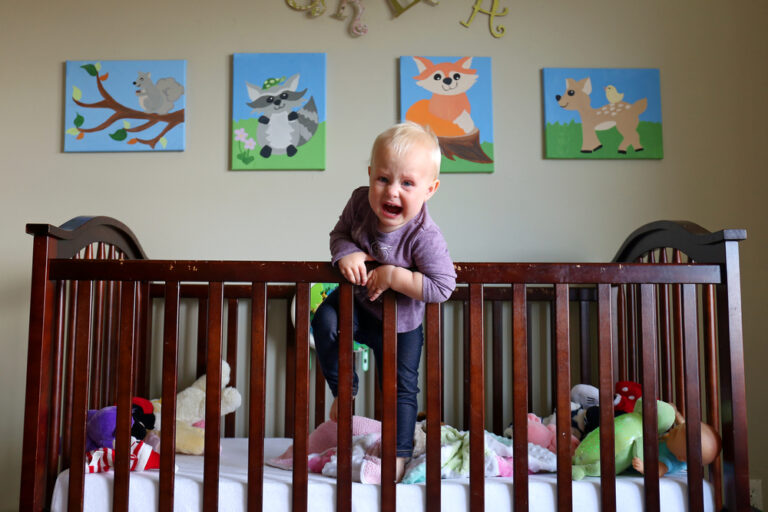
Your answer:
<point x="282" y="129"/>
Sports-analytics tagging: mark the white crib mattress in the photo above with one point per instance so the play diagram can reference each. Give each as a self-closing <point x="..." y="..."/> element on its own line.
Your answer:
<point x="233" y="470"/>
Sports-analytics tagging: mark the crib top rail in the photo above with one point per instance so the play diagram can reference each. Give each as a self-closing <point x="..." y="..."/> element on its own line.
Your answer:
<point x="295" y="272"/>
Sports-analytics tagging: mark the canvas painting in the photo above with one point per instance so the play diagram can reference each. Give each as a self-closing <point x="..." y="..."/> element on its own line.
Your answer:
<point x="602" y="113"/>
<point x="278" y="111"/>
<point x="125" y="105"/>
<point x="452" y="95"/>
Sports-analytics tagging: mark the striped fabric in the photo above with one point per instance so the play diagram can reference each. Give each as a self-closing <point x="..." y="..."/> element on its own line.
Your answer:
<point x="142" y="457"/>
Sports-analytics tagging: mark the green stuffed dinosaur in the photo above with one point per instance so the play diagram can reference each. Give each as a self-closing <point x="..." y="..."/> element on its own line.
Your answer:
<point x="628" y="430"/>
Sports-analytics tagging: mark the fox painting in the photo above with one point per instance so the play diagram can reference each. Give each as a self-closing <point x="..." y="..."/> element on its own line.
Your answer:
<point x="448" y="111"/>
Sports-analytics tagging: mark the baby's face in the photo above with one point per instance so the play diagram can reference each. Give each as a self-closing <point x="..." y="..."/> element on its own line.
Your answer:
<point x="400" y="185"/>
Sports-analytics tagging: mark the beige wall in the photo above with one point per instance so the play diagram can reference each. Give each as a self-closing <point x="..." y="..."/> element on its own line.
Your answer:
<point x="711" y="54"/>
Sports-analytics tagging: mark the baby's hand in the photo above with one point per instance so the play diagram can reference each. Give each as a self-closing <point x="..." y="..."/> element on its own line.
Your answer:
<point x="637" y="463"/>
<point x="379" y="281"/>
<point x="352" y="267"/>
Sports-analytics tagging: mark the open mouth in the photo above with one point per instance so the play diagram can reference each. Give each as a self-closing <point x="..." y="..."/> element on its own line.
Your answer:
<point x="392" y="209"/>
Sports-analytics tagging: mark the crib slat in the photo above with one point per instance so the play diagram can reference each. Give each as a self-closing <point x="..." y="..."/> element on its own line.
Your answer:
<point x="344" y="412"/>
<point x="213" y="398"/>
<point x="319" y="393"/>
<point x="143" y="335"/>
<point x="585" y="358"/>
<point x="520" y="387"/>
<point x="290" y="372"/>
<point x="125" y="378"/>
<point x="80" y="399"/>
<point x="98" y="338"/>
<point x="497" y="367"/>
<point x="56" y="376"/>
<point x="168" y="411"/>
<point x="433" y="398"/>
<point x="677" y="323"/>
<point x="632" y="328"/>
<point x="650" y="416"/>
<point x="476" y="399"/>
<point x="389" y="404"/>
<point x="257" y="397"/>
<point x="713" y="406"/>
<point x="301" y="400"/>
<point x="563" y="402"/>
<point x="605" y="362"/>
<point x="621" y="338"/>
<point x="665" y="327"/>
<point x="202" y="333"/>
<point x="693" y="408"/>
<point x="69" y="376"/>
<point x="229" y="420"/>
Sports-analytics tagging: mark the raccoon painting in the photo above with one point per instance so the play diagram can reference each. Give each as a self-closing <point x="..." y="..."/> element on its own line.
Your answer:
<point x="282" y="129"/>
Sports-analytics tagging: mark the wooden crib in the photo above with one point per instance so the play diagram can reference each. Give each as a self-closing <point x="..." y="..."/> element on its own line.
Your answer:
<point x="669" y="300"/>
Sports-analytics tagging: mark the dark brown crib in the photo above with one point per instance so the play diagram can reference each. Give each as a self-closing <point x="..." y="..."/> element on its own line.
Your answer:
<point x="668" y="304"/>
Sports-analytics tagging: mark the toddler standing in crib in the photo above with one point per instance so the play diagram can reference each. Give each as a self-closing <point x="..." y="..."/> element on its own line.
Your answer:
<point x="388" y="222"/>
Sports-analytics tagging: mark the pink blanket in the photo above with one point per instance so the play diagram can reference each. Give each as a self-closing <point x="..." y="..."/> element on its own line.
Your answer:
<point x="366" y="450"/>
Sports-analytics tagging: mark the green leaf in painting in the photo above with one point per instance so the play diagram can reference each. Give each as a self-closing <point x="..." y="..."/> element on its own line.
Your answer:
<point x="79" y="120"/>
<point x="76" y="93"/>
<point x="73" y="131"/>
<point x="163" y="142"/>
<point x="98" y="66"/>
<point x="126" y="124"/>
<point x="91" y="69"/>
<point x="119" y="134"/>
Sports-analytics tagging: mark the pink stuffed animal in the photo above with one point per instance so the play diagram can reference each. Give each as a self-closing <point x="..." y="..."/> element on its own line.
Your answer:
<point x="545" y="435"/>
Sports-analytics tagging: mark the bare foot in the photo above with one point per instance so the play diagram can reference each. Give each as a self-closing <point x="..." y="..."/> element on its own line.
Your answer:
<point x="333" y="414"/>
<point x="400" y="468"/>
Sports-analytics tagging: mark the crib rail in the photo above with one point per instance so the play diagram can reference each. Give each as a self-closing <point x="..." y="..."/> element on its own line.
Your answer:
<point x="67" y="297"/>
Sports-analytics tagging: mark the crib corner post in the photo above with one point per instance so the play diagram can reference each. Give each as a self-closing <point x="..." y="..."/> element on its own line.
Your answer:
<point x="38" y="386"/>
<point x="733" y="398"/>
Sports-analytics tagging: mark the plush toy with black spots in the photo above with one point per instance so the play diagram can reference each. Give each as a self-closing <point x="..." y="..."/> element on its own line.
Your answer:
<point x="143" y="415"/>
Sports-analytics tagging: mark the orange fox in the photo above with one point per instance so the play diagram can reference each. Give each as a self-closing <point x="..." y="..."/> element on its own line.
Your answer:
<point x="447" y="112"/>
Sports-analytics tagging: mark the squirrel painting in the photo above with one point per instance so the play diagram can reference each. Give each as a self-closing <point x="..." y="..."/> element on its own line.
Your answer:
<point x="157" y="98"/>
<point x="281" y="128"/>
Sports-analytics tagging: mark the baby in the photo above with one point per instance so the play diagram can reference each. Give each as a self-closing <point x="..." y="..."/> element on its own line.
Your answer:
<point x="388" y="222"/>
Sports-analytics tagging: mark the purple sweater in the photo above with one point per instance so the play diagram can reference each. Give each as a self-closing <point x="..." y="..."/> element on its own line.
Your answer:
<point x="417" y="245"/>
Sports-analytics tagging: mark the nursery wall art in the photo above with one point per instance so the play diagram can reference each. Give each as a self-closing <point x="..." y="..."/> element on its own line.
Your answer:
<point x="451" y="95"/>
<point x="602" y="113"/>
<point x="124" y="105"/>
<point x="278" y="111"/>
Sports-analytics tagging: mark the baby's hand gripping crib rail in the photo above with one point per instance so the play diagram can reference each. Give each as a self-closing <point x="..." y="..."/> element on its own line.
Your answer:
<point x="90" y="345"/>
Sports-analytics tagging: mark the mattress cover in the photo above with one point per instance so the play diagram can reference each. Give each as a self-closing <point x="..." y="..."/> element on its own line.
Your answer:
<point x="233" y="472"/>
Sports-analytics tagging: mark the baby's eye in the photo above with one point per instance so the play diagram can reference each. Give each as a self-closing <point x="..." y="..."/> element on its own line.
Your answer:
<point x="407" y="183"/>
<point x="382" y="179"/>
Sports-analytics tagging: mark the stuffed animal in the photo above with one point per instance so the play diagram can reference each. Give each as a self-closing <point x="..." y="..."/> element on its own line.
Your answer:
<point x="672" y="448"/>
<point x="143" y="416"/>
<point x="628" y="431"/>
<point x="100" y="428"/>
<point x="583" y="396"/>
<point x="542" y="435"/>
<point x="190" y="412"/>
<point x="628" y="392"/>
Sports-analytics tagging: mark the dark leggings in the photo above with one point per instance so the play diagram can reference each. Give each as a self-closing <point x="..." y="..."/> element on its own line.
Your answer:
<point x="367" y="330"/>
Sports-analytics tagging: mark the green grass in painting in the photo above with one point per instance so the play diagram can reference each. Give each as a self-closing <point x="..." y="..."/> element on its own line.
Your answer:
<point x="311" y="156"/>
<point x="458" y="165"/>
<point x="564" y="141"/>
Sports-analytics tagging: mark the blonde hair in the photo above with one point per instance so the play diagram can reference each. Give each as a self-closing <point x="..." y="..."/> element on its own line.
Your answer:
<point x="401" y="137"/>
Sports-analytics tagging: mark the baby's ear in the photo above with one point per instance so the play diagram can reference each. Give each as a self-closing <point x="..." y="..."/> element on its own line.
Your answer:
<point x="433" y="188"/>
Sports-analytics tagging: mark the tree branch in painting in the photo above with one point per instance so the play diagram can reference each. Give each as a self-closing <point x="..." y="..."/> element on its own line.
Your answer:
<point x="156" y="100"/>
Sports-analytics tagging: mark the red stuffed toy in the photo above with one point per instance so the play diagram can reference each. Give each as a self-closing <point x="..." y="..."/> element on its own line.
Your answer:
<point x="628" y="392"/>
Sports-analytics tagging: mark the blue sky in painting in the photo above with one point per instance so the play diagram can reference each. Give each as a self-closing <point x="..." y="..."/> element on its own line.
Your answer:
<point x="255" y="68"/>
<point x="480" y="94"/>
<point x="119" y="85"/>
<point x="635" y="84"/>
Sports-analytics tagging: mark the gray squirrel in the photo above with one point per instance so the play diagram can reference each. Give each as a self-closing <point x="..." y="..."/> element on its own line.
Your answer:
<point x="282" y="129"/>
<point x="157" y="98"/>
